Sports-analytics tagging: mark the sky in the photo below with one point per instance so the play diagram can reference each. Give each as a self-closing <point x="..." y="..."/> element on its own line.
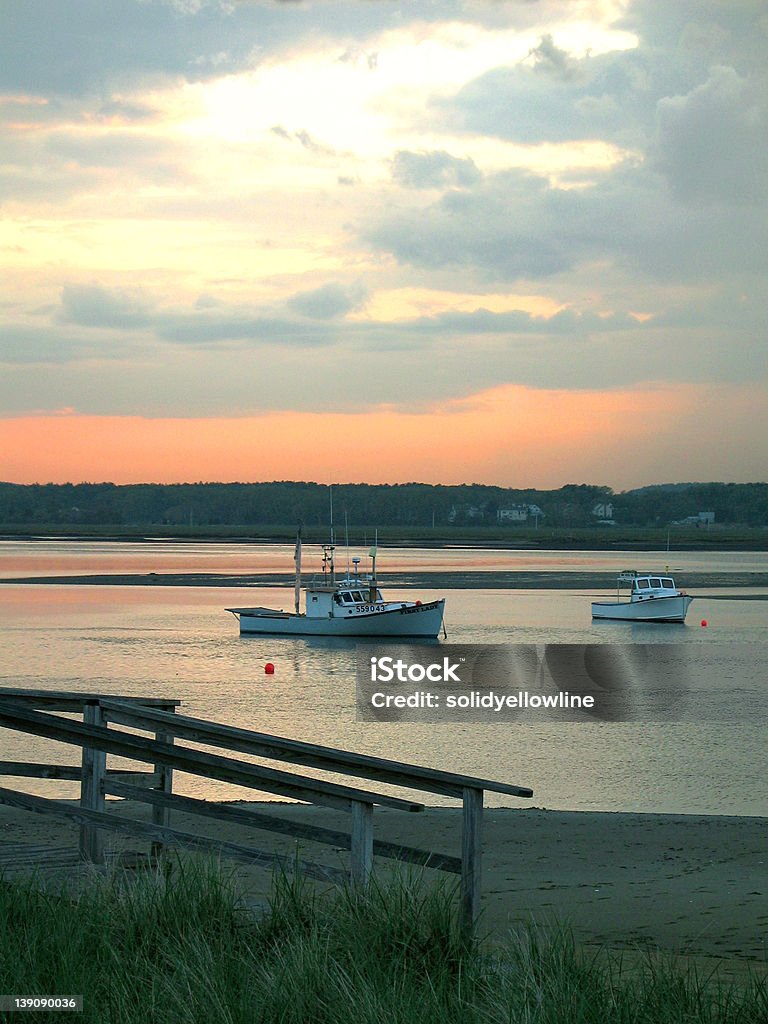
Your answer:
<point x="513" y="242"/>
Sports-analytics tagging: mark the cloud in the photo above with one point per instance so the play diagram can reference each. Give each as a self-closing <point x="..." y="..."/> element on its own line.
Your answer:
<point x="29" y="344"/>
<point x="93" y="46"/>
<point x="711" y="144"/>
<point x="94" y="306"/>
<point x="53" y="163"/>
<point x="554" y="98"/>
<point x="328" y="302"/>
<point x="514" y="227"/>
<point x="232" y="329"/>
<point x="85" y="48"/>
<point x="498" y="227"/>
<point x="304" y="139"/>
<point x="436" y="169"/>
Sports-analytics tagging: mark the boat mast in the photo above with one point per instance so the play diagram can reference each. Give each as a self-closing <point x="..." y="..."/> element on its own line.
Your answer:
<point x="346" y="538"/>
<point x="372" y="588"/>
<point x="297" y="560"/>
<point x="328" y="549"/>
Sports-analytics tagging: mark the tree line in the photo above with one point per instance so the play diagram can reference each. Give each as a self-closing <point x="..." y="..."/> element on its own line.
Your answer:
<point x="405" y="505"/>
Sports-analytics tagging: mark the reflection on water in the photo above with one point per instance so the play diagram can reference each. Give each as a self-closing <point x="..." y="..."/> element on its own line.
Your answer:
<point x="62" y="558"/>
<point x="179" y="642"/>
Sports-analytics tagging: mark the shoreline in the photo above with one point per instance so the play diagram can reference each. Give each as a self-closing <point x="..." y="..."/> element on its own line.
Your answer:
<point x="473" y="580"/>
<point x="635" y="539"/>
<point x="691" y="884"/>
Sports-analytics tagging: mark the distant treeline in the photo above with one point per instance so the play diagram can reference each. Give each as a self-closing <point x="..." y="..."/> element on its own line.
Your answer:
<point x="399" y="505"/>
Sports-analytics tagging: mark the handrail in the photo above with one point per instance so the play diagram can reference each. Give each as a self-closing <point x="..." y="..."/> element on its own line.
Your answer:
<point x="74" y="700"/>
<point x="195" y="762"/>
<point x="397" y="773"/>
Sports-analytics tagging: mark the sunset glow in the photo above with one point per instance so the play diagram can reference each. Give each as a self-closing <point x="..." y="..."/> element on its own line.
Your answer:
<point x="519" y="244"/>
<point x="506" y="433"/>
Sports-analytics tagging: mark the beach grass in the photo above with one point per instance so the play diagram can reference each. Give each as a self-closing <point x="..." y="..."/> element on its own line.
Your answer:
<point x="179" y="945"/>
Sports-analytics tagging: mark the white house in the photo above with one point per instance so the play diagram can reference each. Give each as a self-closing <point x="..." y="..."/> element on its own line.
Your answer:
<point x="603" y="511"/>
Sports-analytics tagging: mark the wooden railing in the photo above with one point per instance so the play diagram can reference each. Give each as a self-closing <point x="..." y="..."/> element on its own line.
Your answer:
<point x="97" y="736"/>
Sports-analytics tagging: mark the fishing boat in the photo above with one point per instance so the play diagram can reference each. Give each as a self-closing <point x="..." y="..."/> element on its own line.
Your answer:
<point x="349" y="606"/>
<point x="651" y="598"/>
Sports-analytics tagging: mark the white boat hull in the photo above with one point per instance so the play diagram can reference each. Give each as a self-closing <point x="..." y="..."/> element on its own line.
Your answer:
<point x="652" y="609"/>
<point x="407" y="620"/>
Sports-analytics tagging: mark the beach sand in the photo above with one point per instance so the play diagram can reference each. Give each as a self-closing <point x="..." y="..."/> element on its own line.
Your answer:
<point x="695" y="885"/>
<point x="442" y="580"/>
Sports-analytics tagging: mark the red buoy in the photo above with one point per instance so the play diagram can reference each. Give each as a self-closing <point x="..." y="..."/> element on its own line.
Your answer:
<point x="704" y="622"/>
<point x="269" y="669"/>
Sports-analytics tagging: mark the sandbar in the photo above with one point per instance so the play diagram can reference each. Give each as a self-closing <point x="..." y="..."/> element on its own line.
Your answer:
<point x="449" y="580"/>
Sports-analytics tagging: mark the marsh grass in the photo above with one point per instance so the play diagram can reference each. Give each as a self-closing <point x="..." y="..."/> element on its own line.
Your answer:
<point x="180" y="946"/>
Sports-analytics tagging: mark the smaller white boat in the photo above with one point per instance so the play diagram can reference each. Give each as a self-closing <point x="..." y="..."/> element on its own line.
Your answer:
<point x="651" y="598"/>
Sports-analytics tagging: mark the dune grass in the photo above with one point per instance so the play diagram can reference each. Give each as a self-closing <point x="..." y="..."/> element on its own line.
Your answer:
<point x="180" y="947"/>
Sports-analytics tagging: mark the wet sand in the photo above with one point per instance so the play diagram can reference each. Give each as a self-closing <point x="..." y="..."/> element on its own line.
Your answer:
<point x="696" y="885"/>
<point x="471" y="580"/>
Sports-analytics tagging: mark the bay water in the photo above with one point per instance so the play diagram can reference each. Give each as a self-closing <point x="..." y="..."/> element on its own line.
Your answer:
<point x="179" y="642"/>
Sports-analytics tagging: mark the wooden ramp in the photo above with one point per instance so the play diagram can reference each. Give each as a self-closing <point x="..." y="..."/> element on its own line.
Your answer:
<point x="114" y="726"/>
<point x="31" y="858"/>
<point x="47" y="863"/>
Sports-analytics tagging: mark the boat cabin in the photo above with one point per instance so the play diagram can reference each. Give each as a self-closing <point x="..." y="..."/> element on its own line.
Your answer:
<point x="645" y="586"/>
<point x="333" y="601"/>
<point x="648" y="583"/>
<point x="350" y="597"/>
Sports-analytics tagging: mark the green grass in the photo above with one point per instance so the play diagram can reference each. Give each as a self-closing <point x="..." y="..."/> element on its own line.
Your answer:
<point x="179" y="948"/>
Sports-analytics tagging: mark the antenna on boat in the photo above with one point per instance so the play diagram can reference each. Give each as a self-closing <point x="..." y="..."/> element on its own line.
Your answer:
<point x="328" y="549"/>
<point x="297" y="560"/>
<point x="372" y="583"/>
<point x="372" y="553"/>
<point x="346" y="539"/>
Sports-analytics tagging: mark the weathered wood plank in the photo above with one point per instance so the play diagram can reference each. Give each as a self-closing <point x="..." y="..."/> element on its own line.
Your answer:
<point x="362" y="843"/>
<point x="161" y="813"/>
<point x="73" y="700"/>
<point x="73" y="773"/>
<point x="195" y="762"/>
<point x="471" y="855"/>
<point x="397" y="773"/>
<point x="36" y="770"/>
<point x="272" y="823"/>
<point x="142" y="779"/>
<point x="91" y="791"/>
<point x="167" y="836"/>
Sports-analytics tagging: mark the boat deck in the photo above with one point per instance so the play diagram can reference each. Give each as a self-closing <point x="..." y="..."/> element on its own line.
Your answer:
<point x="264" y="613"/>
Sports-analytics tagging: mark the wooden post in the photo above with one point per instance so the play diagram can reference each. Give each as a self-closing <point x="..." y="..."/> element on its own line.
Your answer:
<point x="471" y="855"/>
<point x="362" y="842"/>
<point x="162" y="815"/>
<point x="94" y="765"/>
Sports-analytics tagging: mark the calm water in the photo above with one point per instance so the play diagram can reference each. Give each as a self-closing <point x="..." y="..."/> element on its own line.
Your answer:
<point x="51" y="558"/>
<point x="179" y="642"/>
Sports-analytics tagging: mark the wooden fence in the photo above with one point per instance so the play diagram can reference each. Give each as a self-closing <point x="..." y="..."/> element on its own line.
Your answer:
<point x="101" y="732"/>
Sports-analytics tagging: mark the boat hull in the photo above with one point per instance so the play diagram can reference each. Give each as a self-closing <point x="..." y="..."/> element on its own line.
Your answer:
<point x="658" y="609"/>
<point x="412" y="620"/>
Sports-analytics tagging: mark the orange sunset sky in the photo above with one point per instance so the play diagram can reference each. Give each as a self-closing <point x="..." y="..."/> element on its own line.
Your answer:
<point x="508" y="243"/>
